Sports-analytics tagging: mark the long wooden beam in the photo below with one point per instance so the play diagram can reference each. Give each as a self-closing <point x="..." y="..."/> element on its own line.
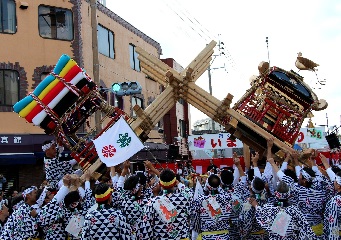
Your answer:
<point x="153" y="74"/>
<point x="203" y="55"/>
<point x="201" y="70"/>
<point x="154" y="61"/>
<point x="164" y="97"/>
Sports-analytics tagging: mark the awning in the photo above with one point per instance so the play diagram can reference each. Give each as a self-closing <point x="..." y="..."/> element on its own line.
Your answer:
<point x="15" y="158"/>
<point x="151" y="151"/>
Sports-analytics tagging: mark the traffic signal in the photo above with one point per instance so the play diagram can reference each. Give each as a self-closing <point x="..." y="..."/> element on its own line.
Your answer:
<point x="126" y="88"/>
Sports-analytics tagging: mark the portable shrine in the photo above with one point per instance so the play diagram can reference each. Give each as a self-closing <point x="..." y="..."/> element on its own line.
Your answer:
<point x="278" y="101"/>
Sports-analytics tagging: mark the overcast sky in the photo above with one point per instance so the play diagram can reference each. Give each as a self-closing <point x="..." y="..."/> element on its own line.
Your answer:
<point x="184" y="27"/>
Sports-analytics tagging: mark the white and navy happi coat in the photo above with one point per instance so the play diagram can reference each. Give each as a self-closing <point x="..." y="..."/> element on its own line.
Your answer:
<point x="167" y="217"/>
<point x="310" y="201"/>
<point x="332" y="219"/>
<point x="56" y="169"/>
<point x="87" y="202"/>
<point x="211" y="216"/>
<point x="106" y="223"/>
<point x="50" y="218"/>
<point x="249" y="228"/>
<point x="132" y="209"/>
<point x="20" y="225"/>
<point x="297" y="227"/>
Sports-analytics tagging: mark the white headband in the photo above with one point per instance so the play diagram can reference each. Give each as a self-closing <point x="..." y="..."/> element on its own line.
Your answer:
<point x="47" y="145"/>
<point x="28" y="191"/>
<point x="338" y="180"/>
<point x="255" y="190"/>
<point x="307" y="176"/>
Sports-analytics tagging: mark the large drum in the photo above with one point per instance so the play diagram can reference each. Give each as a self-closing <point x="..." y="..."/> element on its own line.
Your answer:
<point x="62" y="103"/>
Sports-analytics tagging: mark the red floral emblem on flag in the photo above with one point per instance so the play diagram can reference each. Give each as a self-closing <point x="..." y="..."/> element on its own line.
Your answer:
<point x="108" y="151"/>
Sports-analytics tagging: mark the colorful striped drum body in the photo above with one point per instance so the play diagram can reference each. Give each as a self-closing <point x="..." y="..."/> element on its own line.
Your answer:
<point x="62" y="103"/>
<point x="53" y="97"/>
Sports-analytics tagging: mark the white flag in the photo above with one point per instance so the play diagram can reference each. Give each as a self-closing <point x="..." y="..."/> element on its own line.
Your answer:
<point x="198" y="190"/>
<point x="117" y="144"/>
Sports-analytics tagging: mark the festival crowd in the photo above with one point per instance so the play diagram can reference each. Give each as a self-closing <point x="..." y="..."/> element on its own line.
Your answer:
<point x="287" y="199"/>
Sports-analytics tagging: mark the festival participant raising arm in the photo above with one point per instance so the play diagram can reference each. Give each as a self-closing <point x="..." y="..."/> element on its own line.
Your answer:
<point x="105" y="222"/>
<point x="332" y="213"/>
<point x="309" y="201"/>
<point x="280" y="219"/>
<point x="50" y="216"/>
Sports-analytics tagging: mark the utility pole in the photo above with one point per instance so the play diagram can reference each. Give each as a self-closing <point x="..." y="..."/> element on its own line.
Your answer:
<point x="210" y="84"/>
<point x="210" y="90"/>
<point x="210" y="76"/>
<point x="93" y="5"/>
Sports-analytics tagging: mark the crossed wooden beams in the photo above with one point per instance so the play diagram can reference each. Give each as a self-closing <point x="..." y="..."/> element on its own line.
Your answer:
<point x="182" y="85"/>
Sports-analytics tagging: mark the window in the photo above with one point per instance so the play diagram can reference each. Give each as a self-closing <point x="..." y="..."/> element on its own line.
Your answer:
<point x="43" y="75"/>
<point x="182" y="125"/>
<point x="9" y="87"/>
<point x="116" y="101"/>
<point x="103" y="2"/>
<point x="136" y="101"/>
<point x="8" y="16"/>
<point x="105" y="42"/>
<point x="55" y="23"/>
<point x="134" y="62"/>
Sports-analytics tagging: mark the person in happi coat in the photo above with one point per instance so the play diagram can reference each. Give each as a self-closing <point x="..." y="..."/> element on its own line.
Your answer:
<point x="22" y="223"/>
<point x="4" y="213"/>
<point x="106" y="222"/>
<point x="55" y="169"/>
<point x="282" y="220"/>
<point x="167" y="217"/>
<point x="212" y="212"/>
<point x="249" y="228"/>
<point x="130" y="198"/>
<point x="248" y="225"/>
<point x="332" y="212"/>
<point x="50" y="216"/>
<point x="236" y="185"/>
<point x="76" y="205"/>
<point x="307" y="194"/>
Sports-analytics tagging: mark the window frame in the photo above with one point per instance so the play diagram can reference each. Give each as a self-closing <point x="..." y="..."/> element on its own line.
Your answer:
<point x="133" y="58"/>
<point x="73" y="25"/>
<point x="113" y="41"/>
<point x="2" y="72"/>
<point x="182" y="128"/>
<point x="15" y="18"/>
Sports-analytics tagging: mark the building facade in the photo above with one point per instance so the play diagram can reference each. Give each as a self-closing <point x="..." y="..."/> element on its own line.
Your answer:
<point x="177" y="122"/>
<point x="34" y="34"/>
<point x="206" y="125"/>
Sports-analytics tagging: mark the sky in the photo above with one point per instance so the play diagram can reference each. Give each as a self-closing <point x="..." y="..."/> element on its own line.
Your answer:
<point x="184" y="27"/>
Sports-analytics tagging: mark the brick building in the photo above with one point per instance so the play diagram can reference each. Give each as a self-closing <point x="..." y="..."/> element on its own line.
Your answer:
<point x="34" y="34"/>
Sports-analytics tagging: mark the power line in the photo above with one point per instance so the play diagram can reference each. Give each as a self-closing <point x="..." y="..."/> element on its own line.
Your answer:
<point x="202" y="28"/>
<point x="199" y="29"/>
